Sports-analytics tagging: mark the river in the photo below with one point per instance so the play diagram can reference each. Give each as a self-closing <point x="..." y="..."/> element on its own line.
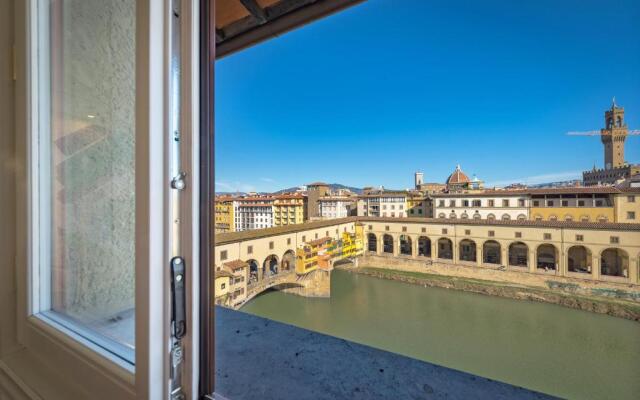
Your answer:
<point x="544" y="347"/>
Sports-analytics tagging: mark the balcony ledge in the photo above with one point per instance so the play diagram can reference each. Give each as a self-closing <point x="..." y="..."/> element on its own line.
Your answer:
<point x="260" y="358"/>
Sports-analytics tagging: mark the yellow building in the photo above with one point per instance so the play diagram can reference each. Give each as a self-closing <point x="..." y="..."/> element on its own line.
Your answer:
<point x="418" y="205"/>
<point x="580" y="204"/>
<point x="223" y="216"/>
<point x="289" y="209"/>
<point x="627" y="205"/>
<point x="222" y="283"/>
<point x="307" y="255"/>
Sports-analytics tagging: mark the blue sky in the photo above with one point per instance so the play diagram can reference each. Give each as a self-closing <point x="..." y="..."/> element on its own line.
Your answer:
<point x="368" y="96"/>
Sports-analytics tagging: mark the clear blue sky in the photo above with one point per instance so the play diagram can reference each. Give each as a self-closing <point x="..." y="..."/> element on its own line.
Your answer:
<point x="370" y="95"/>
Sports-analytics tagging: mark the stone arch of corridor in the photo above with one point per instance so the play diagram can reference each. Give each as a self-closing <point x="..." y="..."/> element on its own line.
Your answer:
<point x="387" y="244"/>
<point x="547" y="257"/>
<point x="254" y="271"/>
<point x="445" y="249"/>
<point x="518" y="254"/>
<point x="614" y="262"/>
<point x="372" y="242"/>
<point x="270" y="266"/>
<point x="579" y="259"/>
<point x="288" y="262"/>
<point x="424" y="246"/>
<point x="405" y="243"/>
<point x="491" y="252"/>
<point x="467" y="250"/>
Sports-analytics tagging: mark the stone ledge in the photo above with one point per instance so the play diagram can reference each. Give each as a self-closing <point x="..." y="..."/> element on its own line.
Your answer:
<point x="257" y="358"/>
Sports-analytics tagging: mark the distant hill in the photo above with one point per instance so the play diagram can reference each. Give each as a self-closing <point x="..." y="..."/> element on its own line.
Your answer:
<point x="333" y="186"/>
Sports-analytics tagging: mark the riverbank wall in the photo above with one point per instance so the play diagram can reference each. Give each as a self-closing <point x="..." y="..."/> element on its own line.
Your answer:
<point x="619" y="300"/>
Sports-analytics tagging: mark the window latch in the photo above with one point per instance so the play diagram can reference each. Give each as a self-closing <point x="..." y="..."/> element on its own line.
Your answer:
<point x="178" y="309"/>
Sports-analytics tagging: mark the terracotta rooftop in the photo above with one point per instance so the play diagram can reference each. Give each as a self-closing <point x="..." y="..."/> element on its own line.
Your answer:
<point x="235" y="264"/>
<point x="222" y="273"/>
<point x="458" y="177"/>
<point x="552" y="191"/>
<point x="320" y="241"/>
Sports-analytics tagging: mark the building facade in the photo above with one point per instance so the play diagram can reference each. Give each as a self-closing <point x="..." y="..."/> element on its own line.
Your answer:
<point x="383" y="203"/>
<point x="314" y="192"/>
<point x="289" y="209"/>
<point x="332" y="207"/>
<point x="224" y="220"/>
<point x="253" y="213"/>
<point x="486" y="205"/>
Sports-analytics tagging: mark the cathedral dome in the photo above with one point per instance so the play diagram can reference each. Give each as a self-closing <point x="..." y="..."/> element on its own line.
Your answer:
<point x="457" y="177"/>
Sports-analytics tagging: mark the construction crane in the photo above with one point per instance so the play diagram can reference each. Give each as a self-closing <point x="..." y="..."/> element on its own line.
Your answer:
<point x="633" y="132"/>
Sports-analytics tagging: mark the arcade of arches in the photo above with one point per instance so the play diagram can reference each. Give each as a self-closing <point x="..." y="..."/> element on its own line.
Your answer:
<point x="546" y="257"/>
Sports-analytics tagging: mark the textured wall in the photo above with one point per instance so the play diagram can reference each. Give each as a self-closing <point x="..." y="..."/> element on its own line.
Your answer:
<point x="93" y="93"/>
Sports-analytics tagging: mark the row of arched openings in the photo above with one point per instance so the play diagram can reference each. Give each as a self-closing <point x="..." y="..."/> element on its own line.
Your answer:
<point x="271" y="266"/>
<point x="613" y="261"/>
<point x="490" y="217"/>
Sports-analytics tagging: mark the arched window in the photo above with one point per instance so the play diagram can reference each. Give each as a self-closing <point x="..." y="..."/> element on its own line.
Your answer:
<point x="522" y="217"/>
<point x="602" y="218"/>
<point x="553" y="218"/>
<point x="506" y="217"/>
<point x="491" y="217"/>
<point x="442" y="215"/>
<point x="568" y="217"/>
<point x="452" y="215"/>
<point x="477" y="215"/>
<point x="619" y="121"/>
<point x="538" y="217"/>
<point x="584" y="218"/>
<point x="464" y="216"/>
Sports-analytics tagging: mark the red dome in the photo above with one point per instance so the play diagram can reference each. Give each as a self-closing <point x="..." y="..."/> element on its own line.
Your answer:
<point x="458" y="177"/>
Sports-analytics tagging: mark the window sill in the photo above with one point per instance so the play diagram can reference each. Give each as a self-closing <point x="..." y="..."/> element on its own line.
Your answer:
<point x="309" y="365"/>
<point x="55" y="364"/>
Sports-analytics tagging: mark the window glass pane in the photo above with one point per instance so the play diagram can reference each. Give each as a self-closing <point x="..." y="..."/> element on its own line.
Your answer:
<point x="87" y="168"/>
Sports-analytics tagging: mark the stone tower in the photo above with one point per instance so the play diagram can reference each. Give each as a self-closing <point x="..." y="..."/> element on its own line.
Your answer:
<point x="613" y="136"/>
<point x="419" y="180"/>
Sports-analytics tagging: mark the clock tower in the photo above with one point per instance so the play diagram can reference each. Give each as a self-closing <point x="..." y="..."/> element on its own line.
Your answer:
<point x="613" y="136"/>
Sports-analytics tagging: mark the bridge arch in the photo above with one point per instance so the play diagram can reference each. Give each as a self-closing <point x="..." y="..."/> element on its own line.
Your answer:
<point x="518" y="254"/>
<point x="445" y="249"/>
<point x="614" y="262"/>
<point x="372" y="242"/>
<point x="424" y="246"/>
<point x="387" y="243"/>
<point x="547" y="257"/>
<point x="579" y="259"/>
<point x="270" y="266"/>
<point x="491" y="252"/>
<point x="254" y="273"/>
<point x="467" y="250"/>
<point x="405" y="245"/>
<point x="288" y="262"/>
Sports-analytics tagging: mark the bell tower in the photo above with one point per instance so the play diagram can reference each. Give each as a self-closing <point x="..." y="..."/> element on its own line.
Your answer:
<point x="613" y="136"/>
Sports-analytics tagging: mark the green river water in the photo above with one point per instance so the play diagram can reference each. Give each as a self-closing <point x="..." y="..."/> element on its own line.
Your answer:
<point x="548" y="348"/>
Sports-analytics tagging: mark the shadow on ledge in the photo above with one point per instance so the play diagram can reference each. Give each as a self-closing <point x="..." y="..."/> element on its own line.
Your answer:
<point x="257" y="358"/>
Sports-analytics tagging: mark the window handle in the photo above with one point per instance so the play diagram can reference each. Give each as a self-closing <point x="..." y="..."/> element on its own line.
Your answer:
<point x="178" y="310"/>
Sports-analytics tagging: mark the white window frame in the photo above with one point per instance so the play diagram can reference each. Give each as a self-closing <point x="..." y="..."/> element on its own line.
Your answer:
<point x="45" y="358"/>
